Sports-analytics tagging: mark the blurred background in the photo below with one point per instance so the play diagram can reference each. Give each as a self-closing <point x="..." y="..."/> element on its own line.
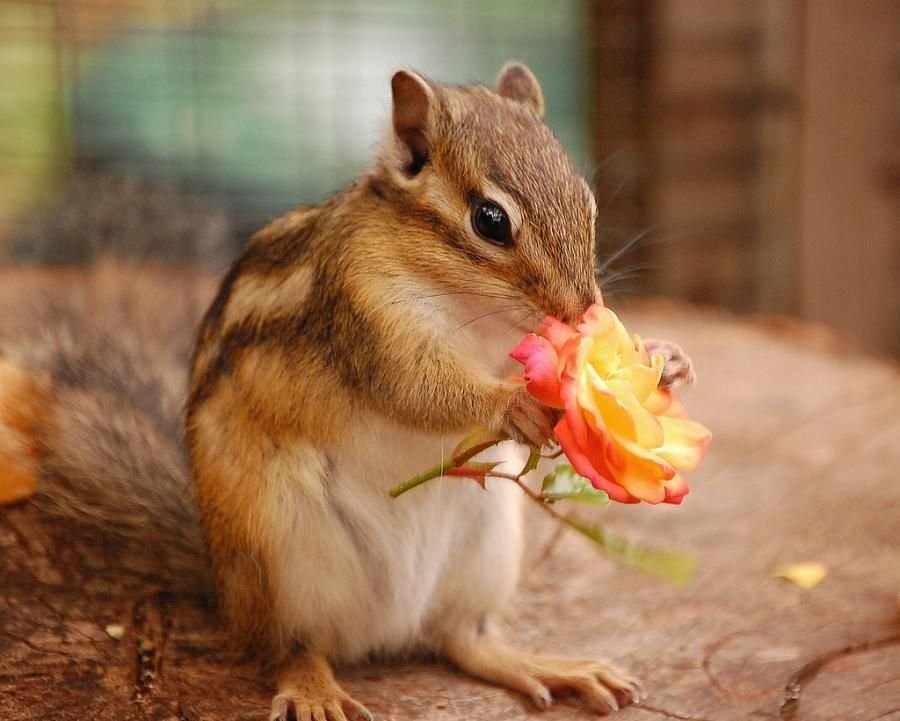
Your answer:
<point x="745" y="155"/>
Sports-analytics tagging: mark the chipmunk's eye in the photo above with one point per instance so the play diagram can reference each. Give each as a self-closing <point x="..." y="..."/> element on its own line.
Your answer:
<point x="492" y="223"/>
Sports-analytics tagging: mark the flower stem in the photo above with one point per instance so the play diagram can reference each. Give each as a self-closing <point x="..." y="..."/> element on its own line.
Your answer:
<point x="456" y="461"/>
<point x="536" y="497"/>
<point x="422" y="477"/>
<point x="675" y="567"/>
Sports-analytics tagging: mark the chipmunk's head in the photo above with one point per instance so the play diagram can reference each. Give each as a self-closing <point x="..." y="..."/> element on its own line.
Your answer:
<point x="485" y="199"/>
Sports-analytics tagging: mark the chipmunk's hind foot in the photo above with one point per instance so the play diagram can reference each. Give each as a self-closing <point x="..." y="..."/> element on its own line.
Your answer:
<point x="308" y="691"/>
<point x="600" y="686"/>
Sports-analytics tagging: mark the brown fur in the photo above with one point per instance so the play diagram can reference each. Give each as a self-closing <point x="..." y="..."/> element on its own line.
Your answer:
<point x="94" y="380"/>
<point x="314" y="324"/>
<point x="23" y="403"/>
<point x="300" y="334"/>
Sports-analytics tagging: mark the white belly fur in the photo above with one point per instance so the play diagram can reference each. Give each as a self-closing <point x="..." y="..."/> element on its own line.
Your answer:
<point x="362" y="573"/>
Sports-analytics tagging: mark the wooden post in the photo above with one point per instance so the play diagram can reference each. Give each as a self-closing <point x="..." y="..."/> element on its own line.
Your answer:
<point x="848" y="218"/>
<point x="778" y="134"/>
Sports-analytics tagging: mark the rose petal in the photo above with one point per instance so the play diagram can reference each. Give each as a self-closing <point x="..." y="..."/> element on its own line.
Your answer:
<point x="618" y="429"/>
<point x="676" y="489"/>
<point x="598" y="429"/>
<point x="557" y="332"/>
<point x="599" y="325"/>
<point x="581" y="463"/>
<point x="645" y="379"/>
<point x="541" y="369"/>
<point x="685" y="442"/>
<point x="659" y="401"/>
<point x="649" y="490"/>
<point x="645" y="474"/>
<point x="601" y="407"/>
<point x="647" y="430"/>
<point x="568" y="391"/>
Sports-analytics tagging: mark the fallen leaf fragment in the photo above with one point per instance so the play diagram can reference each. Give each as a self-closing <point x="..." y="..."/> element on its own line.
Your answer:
<point x="807" y="574"/>
<point x="115" y="631"/>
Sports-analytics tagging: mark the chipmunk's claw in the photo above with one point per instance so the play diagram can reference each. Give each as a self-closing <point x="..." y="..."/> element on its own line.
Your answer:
<point x="288" y="707"/>
<point x="600" y="686"/>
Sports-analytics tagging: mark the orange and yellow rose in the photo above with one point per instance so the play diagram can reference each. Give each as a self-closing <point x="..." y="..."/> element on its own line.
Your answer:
<point x="619" y="429"/>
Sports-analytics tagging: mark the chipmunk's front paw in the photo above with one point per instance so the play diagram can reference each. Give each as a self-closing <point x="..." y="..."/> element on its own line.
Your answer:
<point x="294" y="704"/>
<point x="678" y="369"/>
<point x="526" y="420"/>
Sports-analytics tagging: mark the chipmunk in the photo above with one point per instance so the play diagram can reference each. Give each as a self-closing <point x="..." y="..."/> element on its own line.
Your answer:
<point x="352" y="343"/>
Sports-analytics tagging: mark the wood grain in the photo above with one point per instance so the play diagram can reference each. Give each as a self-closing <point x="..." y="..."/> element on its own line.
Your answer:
<point x="803" y="467"/>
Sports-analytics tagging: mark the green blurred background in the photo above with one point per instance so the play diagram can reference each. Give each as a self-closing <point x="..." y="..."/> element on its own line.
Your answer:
<point x="746" y="153"/>
<point x="257" y="105"/>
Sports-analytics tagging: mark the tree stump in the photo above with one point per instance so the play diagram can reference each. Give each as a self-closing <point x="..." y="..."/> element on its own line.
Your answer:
<point x="803" y="466"/>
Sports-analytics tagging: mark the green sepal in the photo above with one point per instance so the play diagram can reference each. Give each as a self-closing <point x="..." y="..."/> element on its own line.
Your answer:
<point x="565" y="484"/>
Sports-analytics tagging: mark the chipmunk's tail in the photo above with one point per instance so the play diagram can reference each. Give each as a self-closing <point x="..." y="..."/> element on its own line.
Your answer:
<point x="93" y="367"/>
<point x="22" y="402"/>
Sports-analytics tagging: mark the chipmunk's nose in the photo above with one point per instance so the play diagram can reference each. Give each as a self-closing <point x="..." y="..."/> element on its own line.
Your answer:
<point x="579" y="303"/>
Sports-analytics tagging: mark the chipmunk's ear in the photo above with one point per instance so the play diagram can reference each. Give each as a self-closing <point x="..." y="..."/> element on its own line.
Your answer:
<point x="518" y="83"/>
<point x="413" y="108"/>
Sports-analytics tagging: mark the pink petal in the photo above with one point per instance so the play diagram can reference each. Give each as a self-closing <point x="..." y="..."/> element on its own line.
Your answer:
<point x="557" y="332"/>
<point x="541" y="369"/>
<point x="568" y="386"/>
<point x="596" y="321"/>
<point x="676" y="489"/>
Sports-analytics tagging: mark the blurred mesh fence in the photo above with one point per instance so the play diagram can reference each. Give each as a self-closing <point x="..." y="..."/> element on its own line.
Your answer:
<point x="254" y="105"/>
<point x="745" y="154"/>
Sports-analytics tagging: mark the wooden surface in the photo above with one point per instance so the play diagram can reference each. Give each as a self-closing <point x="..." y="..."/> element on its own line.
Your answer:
<point x="804" y="466"/>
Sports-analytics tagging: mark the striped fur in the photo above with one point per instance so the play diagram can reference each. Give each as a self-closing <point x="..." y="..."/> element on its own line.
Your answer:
<point x="381" y="309"/>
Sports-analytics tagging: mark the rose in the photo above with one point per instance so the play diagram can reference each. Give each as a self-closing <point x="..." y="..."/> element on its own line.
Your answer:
<point x="619" y="429"/>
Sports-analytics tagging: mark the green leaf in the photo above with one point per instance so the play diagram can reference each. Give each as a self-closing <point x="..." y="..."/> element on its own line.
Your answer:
<point x="477" y="441"/>
<point x="534" y="457"/>
<point x="565" y="484"/>
<point x="671" y="565"/>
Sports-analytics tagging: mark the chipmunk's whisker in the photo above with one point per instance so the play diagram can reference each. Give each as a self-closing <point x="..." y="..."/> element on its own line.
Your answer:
<point x="604" y="266"/>
<point x="449" y="293"/>
<point x="626" y="273"/>
<point x="516" y="324"/>
<point x="486" y="315"/>
<point x="613" y="196"/>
